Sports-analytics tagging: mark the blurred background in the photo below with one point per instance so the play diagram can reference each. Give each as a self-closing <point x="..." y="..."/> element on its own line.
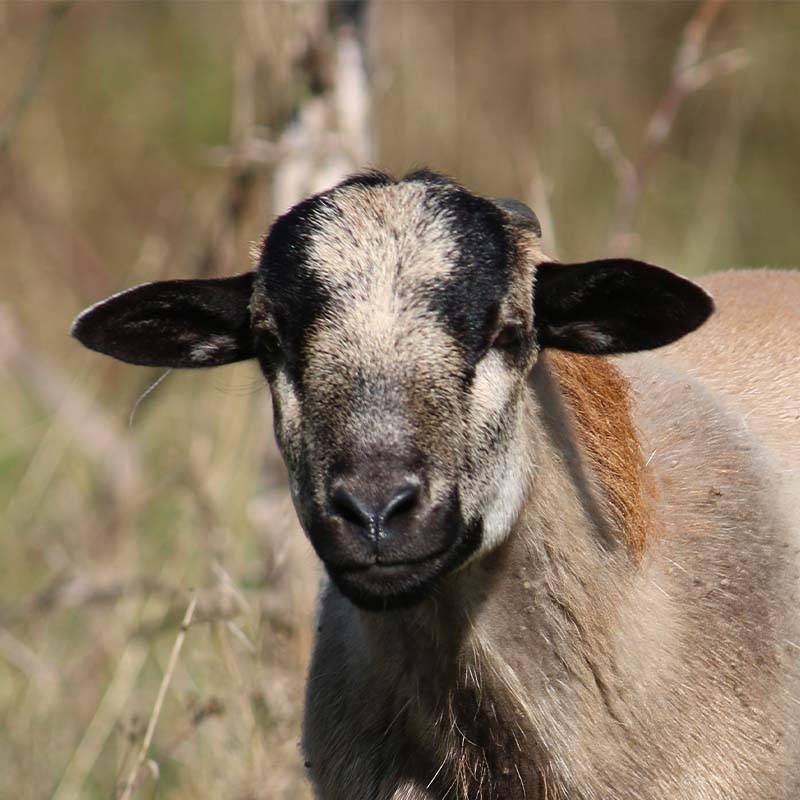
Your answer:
<point x="146" y="140"/>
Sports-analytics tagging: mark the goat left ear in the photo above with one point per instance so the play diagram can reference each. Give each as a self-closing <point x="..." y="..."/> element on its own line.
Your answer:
<point x="614" y="306"/>
<point x="180" y="323"/>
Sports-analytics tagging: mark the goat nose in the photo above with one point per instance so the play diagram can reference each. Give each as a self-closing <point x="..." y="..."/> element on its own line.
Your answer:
<point x="371" y="510"/>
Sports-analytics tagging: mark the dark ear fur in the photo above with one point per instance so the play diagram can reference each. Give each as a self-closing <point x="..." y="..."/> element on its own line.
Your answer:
<point x="180" y="323"/>
<point x="615" y="306"/>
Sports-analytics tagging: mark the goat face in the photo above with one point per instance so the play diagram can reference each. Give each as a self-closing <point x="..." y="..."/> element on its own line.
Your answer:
<point x="396" y="323"/>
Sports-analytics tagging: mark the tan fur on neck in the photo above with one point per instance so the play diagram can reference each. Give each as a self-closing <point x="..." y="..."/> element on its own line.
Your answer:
<point x="598" y="398"/>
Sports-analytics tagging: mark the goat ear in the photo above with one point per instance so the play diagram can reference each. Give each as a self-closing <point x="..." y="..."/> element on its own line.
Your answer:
<point x="180" y="323"/>
<point x="614" y="306"/>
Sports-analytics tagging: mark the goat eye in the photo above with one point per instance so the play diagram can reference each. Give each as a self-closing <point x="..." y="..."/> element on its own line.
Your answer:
<point x="268" y="349"/>
<point x="509" y="338"/>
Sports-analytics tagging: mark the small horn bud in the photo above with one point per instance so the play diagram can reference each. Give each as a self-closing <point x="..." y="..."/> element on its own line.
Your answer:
<point x="520" y="212"/>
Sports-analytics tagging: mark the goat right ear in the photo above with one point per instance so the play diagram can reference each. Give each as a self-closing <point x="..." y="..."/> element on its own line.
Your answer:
<point x="614" y="306"/>
<point x="179" y="323"/>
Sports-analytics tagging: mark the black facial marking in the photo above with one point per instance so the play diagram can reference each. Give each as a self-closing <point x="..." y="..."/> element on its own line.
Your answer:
<point x="467" y="303"/>
<point x="482" y="267"/>
<point x="513" y="341"/>
<point x="424" y="175"/>
<point x="295" y="295"/>
<point x="368" y="179"/>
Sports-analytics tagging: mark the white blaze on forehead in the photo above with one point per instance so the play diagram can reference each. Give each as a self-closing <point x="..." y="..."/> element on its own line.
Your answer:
<point x="380" y="332"/>
<point x="378" y="250"/>
<point x="380" y="239"/>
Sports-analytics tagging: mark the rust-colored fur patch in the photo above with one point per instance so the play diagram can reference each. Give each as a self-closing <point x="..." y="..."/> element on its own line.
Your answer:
<point x="598" y="397"/>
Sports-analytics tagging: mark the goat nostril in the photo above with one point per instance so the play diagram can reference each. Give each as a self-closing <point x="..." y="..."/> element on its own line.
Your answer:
<point x="349" y="507"/>
<point x="403" y="500"/>
<point x="372" y="510"/>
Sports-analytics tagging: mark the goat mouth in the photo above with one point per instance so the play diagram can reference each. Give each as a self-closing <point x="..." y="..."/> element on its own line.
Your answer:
<point x="385" y="586"/>
<point x="386" y="565"/>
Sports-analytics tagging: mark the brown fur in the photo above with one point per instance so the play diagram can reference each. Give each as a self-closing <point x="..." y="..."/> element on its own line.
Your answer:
<point x="598" y="397"/>
<point x="752" y="343"/>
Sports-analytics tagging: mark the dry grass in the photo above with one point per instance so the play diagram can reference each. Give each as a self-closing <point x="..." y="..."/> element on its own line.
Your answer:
<point x="112" y="176"/>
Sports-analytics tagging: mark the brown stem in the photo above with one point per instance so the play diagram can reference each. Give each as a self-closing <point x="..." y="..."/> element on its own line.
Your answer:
<point x="33" y="77"/>
<point x="633" y="180"/>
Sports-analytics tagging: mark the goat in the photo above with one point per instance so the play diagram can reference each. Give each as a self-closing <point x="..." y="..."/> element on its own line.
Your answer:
<point x="559" y="565"/>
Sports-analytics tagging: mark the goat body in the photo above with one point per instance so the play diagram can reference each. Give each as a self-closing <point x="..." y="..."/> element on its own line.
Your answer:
<point x="561" y="534"/>
<point x="555" y="667"/>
